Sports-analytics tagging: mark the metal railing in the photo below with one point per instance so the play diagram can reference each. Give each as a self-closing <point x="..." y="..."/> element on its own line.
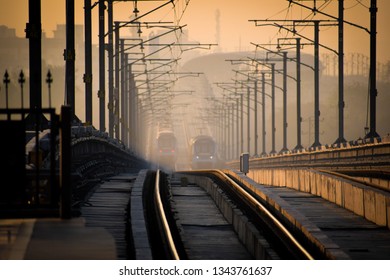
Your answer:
<point x="29" y="164"/>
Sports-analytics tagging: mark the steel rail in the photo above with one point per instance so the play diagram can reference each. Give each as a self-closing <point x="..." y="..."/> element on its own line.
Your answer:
<point x="163" y="218"/>
<point x="262" y="209"/>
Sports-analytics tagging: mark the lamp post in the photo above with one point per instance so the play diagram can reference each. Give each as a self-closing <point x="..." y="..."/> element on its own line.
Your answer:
<point x="49" y="81"/>
<point x="21" y="81"/>
<point x="6" y="81"/>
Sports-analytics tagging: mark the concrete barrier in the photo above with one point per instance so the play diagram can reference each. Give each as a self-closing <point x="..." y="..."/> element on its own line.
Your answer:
<point x="287" y="213"/>
<point x="246" y="231"/>
<point x="139" y="231"/>
<point x="363" y="200"/>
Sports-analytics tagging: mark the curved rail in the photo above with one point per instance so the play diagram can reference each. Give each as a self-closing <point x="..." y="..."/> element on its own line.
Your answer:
<point x="163" y="218"/>
<point x="253" y="201"/>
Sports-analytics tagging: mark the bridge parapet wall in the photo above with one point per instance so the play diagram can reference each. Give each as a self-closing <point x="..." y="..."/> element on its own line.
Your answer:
<point x="368" y="156"/>
<point x="363" y="200"/>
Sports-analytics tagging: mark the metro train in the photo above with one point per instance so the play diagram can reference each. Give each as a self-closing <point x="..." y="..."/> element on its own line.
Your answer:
<point x="166" y="149"/>
<point x="203" y="153"/>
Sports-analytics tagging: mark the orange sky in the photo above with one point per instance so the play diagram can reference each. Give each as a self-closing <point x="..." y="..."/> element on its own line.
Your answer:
<point x="235" y="32"/>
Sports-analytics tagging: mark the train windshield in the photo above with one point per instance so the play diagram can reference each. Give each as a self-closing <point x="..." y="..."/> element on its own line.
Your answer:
<point x="166" y="142"/>
<point x="204" y="147"/>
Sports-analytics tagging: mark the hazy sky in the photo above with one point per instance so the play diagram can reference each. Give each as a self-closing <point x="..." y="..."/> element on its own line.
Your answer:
<point x="235" y="30"/>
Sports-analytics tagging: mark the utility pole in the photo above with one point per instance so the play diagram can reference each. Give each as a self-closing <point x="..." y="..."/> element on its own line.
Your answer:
<point x="284" y="149"/>
<point x="341" y="139"/>
<point x="125" y="99"/>
<point x="299" y="114"/>
<point x="88" y="61"/>
<point x="242" y="122"/>
<point x="237" y="126"/>
<point x="232" y="129"/>
<point x="228" y="132"/>
<point x="273" y="150"/>
<point x="272" y="66"/>
<point x="249" y="119"/>
<point x="284" y="89"/>
<point x="123" y="89"/>
<point x="35" y="120"/>
<point x="239" y="98"/>
<point x="316" y="24"/>
<point x="316" y="85"/>
<point x="256" y="133"/>
<point x="133" y="118"/>
<point x="263" y="112"/>
<point x="69" y="56"/>
<point x="34" y="34"/>
<point x="110" y="69"/>
<point x="273" y="129"/>
<point x="117" y="66"/>
<point x="298" y="83"/>
<point x="127" y="71"/>
<point x="373" y="91"/>
<point x="102" y="84"/>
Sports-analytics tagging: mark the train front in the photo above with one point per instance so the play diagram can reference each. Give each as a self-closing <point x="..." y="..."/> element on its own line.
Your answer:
<point x="167" y="150"/>
<point x="204" y="153"/>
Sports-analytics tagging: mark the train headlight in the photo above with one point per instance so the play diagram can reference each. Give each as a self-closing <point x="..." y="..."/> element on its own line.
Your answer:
<point x="197" y="157"/>
<point x="211" y="157"/>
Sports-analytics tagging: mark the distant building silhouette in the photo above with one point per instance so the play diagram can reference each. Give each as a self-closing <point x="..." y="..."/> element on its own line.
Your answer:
<point x="14" y="50"/>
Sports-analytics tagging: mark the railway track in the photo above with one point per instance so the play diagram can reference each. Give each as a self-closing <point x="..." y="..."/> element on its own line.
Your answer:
<point x="262" y="223"/>
<point x="107" y="208"/>
<point x="176" y="233"/>
<point x="290" y="224"/>
<point x="208" y="214"/>
<point x="161" y="228"/>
